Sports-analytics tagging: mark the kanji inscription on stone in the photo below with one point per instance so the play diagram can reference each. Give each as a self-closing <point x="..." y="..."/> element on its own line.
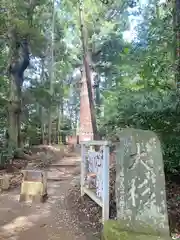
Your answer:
<point x="140" y="181"/>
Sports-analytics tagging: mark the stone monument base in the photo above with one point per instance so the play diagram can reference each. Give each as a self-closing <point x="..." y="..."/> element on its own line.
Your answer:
<point x="34" y="186"/>
<point x="114" y="230"/>
<point x="4" y="182"/>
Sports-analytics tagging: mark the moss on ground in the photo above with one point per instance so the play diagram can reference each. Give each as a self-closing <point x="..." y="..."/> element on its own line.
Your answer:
<point x="122" y="230"/>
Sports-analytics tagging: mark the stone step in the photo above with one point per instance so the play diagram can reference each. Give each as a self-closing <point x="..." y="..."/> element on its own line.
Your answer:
<point x="58" y="179"/>
<point x="63" y="165"/>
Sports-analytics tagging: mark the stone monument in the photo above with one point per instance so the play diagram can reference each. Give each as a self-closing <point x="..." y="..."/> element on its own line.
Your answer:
<point x="140" y="184"/>
<point x="4" y="182"/>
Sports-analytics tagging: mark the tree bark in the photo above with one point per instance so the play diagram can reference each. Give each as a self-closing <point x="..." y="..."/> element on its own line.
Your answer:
<point x="52" y="76"/>
<point x="98" y="99"/>
<point x="42" y="110"/>
<point x="18" y="62"/>
<point x="13" y="112"/>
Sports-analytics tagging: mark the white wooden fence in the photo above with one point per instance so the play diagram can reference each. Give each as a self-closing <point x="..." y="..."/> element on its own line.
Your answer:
<point x="95" y="173"/>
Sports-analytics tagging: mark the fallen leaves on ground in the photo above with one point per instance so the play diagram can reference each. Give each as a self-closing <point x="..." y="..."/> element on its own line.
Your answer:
<point x="173" y="205"/>
<point x="89" y="213"/>
<point x="16" y="180"/>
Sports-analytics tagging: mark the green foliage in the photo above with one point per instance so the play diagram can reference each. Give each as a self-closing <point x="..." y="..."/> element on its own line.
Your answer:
<point x="114" y="230"/>
<point x="5" y="157"/>
<point x="7" y="151"/>
<point x="136" y="88"/>
<point x="152" y="110"/>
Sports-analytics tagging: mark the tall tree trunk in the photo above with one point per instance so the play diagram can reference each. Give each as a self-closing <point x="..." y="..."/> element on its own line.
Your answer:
<point x="14" y="111"/>
<point x="98" y="103"/>
<point x="42" y="110"/>
<point x="61" y="114"/>
<point x="42" y="126"/>
<point x="62" y="108"/>
<point x="18" y="62"/>
<point x="50" y="126"/>
<point x="51" y="76"/>
<point x="86" y="60"/>
<point x="59" y="124"/>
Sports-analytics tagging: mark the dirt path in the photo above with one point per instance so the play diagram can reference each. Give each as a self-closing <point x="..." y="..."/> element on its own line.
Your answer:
<point x="46" y="221"/>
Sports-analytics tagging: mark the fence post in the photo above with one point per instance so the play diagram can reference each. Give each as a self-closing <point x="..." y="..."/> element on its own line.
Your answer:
<point x="105" y="176"/>
<point x="83" y="165"/>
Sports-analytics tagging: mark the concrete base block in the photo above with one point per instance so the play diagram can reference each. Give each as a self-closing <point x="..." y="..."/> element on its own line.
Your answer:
<point x="4" y="182"/>
<point x="34" y="186"/>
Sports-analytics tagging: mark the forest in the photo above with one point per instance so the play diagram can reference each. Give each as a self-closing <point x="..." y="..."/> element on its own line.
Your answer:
<point x="133" y="53"/>
<point x="135" y="79"/>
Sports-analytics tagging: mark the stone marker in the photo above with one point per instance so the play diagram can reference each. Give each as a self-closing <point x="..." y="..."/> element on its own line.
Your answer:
<point x="121" y="230"/>
<point x="4" y="182"/>
<point x="140" y="182"/>
<point x="34" y="186"/>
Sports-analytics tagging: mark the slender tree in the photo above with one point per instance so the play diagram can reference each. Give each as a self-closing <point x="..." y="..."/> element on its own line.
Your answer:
<point x="51" y="73"/>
